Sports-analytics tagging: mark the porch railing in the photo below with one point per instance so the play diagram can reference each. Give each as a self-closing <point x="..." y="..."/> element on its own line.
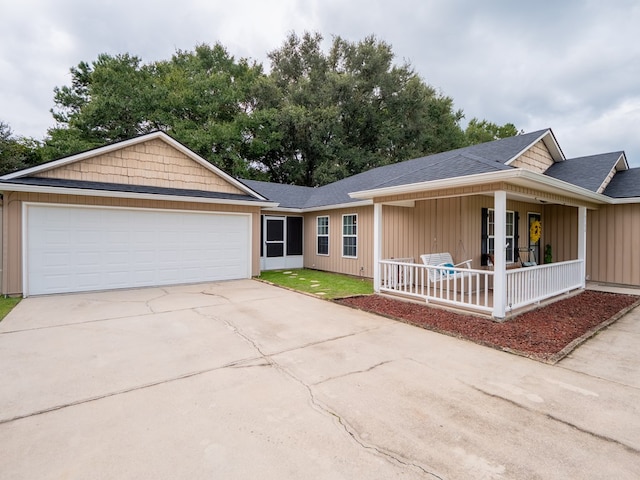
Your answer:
<point x="460" y="287"/>
<point x="473" y="289"/>
<point x="526" y="286"/>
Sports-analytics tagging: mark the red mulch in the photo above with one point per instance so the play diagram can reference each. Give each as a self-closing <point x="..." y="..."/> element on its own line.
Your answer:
<point x="542" y="333"/>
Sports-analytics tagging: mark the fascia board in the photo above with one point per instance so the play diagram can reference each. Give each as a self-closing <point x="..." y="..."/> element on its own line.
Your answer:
<point x="551" y="143"/>
<point x="514" y="176"/>
<point x="142" y="196"/>
<point x="363" y="203"/>
<point x="128" y="143"/>
<point x="82" y="156"/>
<point x="285" y="210"/>
<point x="623" y="201"/>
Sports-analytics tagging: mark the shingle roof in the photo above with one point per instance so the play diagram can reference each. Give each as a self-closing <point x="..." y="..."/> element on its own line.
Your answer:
<point x="586" y="172"/>
<point x="119" y="187"/>
<point x="475" y="159"/>
<point x="625" y="184"/>
<point x="288" y="196"/>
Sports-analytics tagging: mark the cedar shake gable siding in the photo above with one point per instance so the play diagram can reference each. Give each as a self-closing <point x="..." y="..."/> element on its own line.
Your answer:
<point x="151" y="163"/>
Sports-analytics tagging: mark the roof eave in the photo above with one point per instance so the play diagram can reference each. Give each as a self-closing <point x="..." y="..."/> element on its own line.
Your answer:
<point x="142" y="196"/>
<point x="516" y="176"/>
<point x="337" y="206"/>
<point x="550" y="142"/>
<point x="128" y="143"/>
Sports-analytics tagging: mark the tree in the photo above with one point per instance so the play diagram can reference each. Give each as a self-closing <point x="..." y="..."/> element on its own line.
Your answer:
<point x="197" y="97"/>
<point x="318" y="116"/>
<point x="480" y="131"/>
<point x="342" y="112"/>
<point x="17" y="153"/>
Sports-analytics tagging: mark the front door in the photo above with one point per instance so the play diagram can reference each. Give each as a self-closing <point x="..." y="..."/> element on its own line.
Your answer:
<point x="281" y="242"/>
<point x="534" y="247"/>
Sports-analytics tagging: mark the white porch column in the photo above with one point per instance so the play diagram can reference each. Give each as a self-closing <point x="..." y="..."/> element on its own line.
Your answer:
<point x="500" y="253"/>
<point x="377" y="244"/>
<point x="582" y="244"/>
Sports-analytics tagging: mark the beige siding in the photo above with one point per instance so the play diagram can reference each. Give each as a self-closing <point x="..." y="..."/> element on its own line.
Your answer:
<point x="560" y="230"/>
<point x="12" y="226"/>
<point x="613" y="244"/>
<point x="153" y="163"/>
<point x="536" y="159"/>
<point x="451" y="225"/>
<point x="335" y="262"/>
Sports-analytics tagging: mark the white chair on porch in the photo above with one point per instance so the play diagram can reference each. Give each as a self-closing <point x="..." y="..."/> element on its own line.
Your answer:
<point x="445" y="261"/>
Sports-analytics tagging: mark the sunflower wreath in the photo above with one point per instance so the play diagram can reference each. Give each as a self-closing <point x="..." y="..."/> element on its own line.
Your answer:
<point x="535" y="232"/>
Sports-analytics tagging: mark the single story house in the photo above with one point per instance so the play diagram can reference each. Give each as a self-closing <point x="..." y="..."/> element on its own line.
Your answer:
<point x="148" y="211"/>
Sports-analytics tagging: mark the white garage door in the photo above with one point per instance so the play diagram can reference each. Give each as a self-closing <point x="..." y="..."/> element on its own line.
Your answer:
<point x="74" y="249"/>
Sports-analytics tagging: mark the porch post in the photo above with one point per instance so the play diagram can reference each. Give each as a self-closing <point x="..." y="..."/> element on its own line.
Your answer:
<point x="500" y="253"/>
<point x="582" y="244"/>
<point x="377" y="244"/>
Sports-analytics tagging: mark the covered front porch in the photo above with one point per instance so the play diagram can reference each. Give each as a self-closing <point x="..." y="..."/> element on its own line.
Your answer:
<point x="497" y="278"/>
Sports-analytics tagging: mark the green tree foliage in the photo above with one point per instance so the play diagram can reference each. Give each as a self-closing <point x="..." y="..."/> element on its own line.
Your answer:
<point x="330" y="115"/>
<point x="317" y="117"/>
<point x="17" y="153"/>
<point x="480" y="131"/>
<point x="197" y="97"/>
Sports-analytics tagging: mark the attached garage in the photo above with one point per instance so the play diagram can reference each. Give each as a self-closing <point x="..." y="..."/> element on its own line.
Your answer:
<point x="139" y="213"/>
<point x="74" y="249"/>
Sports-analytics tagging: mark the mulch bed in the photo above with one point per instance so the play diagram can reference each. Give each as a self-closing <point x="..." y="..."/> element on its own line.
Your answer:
<point x="547" y="333"/>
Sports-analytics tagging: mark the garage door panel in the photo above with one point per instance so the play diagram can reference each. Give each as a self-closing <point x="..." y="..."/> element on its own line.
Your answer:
<point x="80" y="249"/>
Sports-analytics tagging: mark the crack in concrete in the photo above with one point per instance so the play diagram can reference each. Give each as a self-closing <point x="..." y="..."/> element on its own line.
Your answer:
<point x="354" y="372"/>
<point x="599" y="436"/>
<point x="323" y="409"/>
<point x="597" y="377"/>
<point x="380" y="451"/>
<point x="240" y="363"/>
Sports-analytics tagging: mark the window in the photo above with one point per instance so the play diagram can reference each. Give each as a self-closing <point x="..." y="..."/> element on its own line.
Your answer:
<point x="489" y="236"/>
<point x="349" y="235"/>
<point x="322" y="234"/>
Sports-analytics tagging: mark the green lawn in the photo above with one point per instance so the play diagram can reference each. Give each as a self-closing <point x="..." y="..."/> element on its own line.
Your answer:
<point x="322" y="284"/>
<point x="7" y="304"/>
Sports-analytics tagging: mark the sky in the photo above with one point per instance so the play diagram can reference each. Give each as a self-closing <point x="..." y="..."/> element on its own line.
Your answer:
<point x="573" y="66"/>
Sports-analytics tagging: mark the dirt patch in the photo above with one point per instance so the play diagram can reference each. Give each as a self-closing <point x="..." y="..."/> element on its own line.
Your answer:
<point x="547" y="333"/>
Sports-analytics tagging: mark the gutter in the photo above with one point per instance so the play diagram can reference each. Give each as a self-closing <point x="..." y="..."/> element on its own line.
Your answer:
<point x="133" y="195"/>
<point x="483" y="178"/>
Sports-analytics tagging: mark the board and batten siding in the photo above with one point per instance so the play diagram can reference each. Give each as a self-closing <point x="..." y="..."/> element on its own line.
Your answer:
<point x="335" y="262"/>
<point x="613" y="244"/>
<point x="452" y="225"/>
<point x="12" y="225"/>
<point x="560" y="230"/>
<point x="152" y="163"/>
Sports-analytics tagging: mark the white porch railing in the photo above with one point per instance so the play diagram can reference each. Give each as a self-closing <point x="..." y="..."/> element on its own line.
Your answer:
<point x="526" y="286"/>
<point x="460" y="287"/>
<point x="470" y="288"/>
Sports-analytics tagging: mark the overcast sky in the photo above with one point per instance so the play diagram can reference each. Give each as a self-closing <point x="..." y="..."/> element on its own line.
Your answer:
<point x="570" y="65"/>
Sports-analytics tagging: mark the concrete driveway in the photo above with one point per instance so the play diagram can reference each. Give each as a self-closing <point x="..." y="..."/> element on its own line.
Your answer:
<point x="242" y="380"/>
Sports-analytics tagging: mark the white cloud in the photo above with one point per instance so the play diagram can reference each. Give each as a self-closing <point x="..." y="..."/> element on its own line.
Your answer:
<point x="571" y="65"/>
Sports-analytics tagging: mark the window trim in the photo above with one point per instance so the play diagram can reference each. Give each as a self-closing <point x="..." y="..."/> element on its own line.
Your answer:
<point x="354" y="235"/>
<point x="510" y="238"/>
<point x="323" y="235"/>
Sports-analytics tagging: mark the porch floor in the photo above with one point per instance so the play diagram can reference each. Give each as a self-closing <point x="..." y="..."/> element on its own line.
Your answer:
<point x="478" y="298"/>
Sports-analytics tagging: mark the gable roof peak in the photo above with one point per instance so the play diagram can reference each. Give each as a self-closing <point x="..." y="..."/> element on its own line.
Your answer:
<point x="158" y="134"/>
